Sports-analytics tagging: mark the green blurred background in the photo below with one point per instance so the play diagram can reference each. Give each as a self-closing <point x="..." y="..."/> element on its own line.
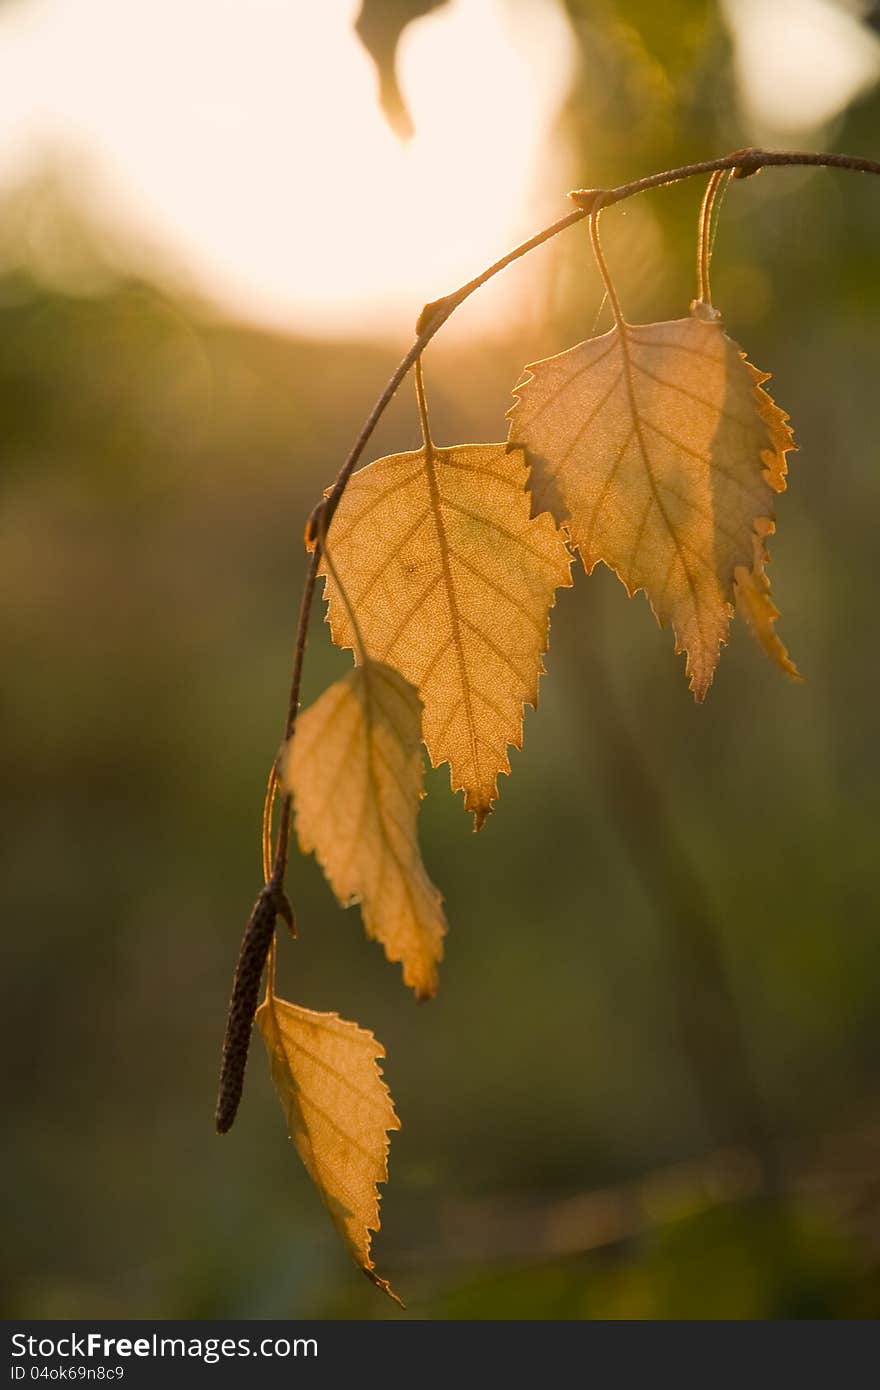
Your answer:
<point x="648" y="1087"/>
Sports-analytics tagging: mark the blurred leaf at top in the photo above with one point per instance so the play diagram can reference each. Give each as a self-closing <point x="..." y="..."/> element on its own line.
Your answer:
<point x="379" y="27"/>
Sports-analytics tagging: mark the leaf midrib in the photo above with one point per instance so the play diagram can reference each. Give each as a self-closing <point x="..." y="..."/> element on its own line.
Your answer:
<point x="454" y="617"/>
<point x="419" y="925"/>
<point x="622" y="330"/>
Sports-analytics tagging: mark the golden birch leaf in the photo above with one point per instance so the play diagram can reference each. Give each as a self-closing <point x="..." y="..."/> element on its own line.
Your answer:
<point x="339" y="1112"/>
<point x="452" y="581"/>
<point x="760" y="612"/>
<point x="355" y="769"/>
<point x="658" y="447"/>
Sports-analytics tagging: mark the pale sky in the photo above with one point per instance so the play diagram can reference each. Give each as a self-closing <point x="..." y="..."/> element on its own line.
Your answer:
<point x="246" y="139"/>
<point x="245" y="143"/>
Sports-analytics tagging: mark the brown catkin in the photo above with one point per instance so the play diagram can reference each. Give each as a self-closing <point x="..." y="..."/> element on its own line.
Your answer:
<point x="243" y="1005"/>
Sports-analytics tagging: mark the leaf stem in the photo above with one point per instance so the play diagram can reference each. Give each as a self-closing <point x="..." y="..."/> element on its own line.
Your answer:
<point x="268" y="807"/>
<point x="360" y="644"/>
<point x="704" y="235"/>
<point x="423" y="407"/>
<point x="601" y="262"/>
<point x="743" y="163"/>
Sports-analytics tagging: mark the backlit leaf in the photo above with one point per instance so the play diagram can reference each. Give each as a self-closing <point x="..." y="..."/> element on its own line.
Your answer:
<point x="452" y="581"/>
<point x="760" y="612"/>
<point x="339" y="1112"/>
<point x="355" y="769"/>
<point x="658" y="447"/>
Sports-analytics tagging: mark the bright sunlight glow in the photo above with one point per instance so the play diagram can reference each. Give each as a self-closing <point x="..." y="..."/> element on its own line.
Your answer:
<point x="799" y="62"/>
<point x="245" y="142"/>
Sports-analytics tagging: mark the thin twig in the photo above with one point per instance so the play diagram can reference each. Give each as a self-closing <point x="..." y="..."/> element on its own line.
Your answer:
<point x="744" y="163"/>
<point x="430" y="321"/>
<point x="434" y="315"/>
